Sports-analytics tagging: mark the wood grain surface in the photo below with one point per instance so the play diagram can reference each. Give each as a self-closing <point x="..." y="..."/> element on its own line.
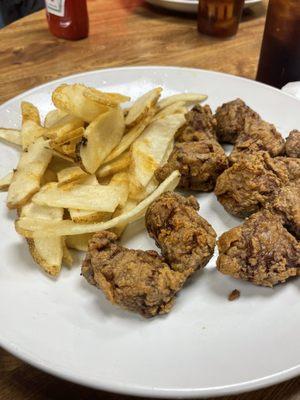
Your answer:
<point x="122" y="32"/>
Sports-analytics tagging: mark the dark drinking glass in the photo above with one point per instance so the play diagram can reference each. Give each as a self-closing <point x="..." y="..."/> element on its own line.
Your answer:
<point x="219" y="17"/>
<point x="280" y="53"/>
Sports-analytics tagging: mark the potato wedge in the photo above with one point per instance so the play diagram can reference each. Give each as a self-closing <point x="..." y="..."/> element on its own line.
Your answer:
<point x="83" y="197"/>
<point x="67" y="228"/>
<point x="117" y="165"/>
<point x="31" y="131"/>
<point x="30" y="113"/>
<point x="131" y="136"/>
<point x="187" y="98"/>
<point x="79" y="242"/>
<point x="82" y="216"/>
<point x="175" y="108"/>
<point x="28" y="175"/>
<point x="11" y="136"/>
<point x="100" y="137"/>
<point x="6" y="181"/>
<point x="141" y="106"/>
<point x="141" y="194"/>
<point x="70" y="174"/>
<point x="109" y="99"/>
<point x="149" y="149"/>
<point x="73" y="100"/>
<point x="61" y="131"/>
<point x="121" y="181"/>
<point x="46" y="251"/>
<point x="53" y="117"/>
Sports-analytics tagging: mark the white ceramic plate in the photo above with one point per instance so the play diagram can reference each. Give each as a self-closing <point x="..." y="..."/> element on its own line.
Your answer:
<point x="207" y="345"/>
<point x="190" y="6"/>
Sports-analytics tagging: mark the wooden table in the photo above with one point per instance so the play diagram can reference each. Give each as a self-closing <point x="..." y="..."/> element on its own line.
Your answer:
<point x="123" y="32"/>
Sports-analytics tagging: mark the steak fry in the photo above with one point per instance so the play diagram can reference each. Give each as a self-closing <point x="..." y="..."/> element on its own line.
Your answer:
<point x="187" y="241"/>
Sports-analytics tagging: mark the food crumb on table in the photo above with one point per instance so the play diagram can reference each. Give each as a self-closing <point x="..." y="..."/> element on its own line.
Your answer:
<point x="234" y="295"/>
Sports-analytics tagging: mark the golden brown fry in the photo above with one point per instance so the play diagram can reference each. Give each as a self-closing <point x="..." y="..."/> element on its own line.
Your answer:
<point x="28" y="175"/>
<point x="11" y="136"/>
<point x="66" y="228"/>
<point x="30" y="113"/>
<point x="73" y="100"/>
<point x="100" y="137"/>
<point x="46" y="251"/>
<point x="53" y="117"/>
<point x="117" y="165"/>
<point x="142" y="106"/>
<point x="130" y="136"/>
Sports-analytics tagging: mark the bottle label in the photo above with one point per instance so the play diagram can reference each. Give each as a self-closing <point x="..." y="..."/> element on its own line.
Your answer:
<point x="56" y="7"/>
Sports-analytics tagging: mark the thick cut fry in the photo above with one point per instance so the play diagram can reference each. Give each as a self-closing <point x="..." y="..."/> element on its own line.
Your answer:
<point x="11" y="136"/>
<point x="70" y="174"/>
<point x="109" y="99"/>
<point x="67" y="228"/>
<point x="6" y="181"/>
<point x="175" y="108"/>
<point x="141" y="106"/>
<point x="100" y="137"/>
<point x="79" y="242"/>
<point x="121" y="181"/>
<point x="63" y="127"/>
<point x="53" y="118"/>
<point x="31" y="131"/>
<point x="130" y="136"/>
<point x="187" y="98"/>
<point x="27" y="178"/>
<point x="149" y="149"/>
<point x="83" y="197"/>
<point x="46" y="251"/>
<point x="117" y="165"/>
<point x="140" y="195"/>
<point x="73" y="100"/>
<point x="67" y="137"/>
<point x="30" y="113"/>
<point x="83" y="216"/>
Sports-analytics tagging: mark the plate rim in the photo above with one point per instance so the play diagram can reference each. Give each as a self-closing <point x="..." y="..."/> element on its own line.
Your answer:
<point x="131" y="389"/>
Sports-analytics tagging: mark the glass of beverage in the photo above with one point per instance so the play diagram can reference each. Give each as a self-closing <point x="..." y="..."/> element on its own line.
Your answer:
<point x="280" y="53"/>
<point x="219" y="17"/>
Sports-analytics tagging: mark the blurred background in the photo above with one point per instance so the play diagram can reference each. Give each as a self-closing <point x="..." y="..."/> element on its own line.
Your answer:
<point x="11" y="10"/>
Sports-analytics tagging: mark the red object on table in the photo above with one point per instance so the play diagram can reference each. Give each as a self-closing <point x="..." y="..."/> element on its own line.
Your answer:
<point x="68" y="19"/>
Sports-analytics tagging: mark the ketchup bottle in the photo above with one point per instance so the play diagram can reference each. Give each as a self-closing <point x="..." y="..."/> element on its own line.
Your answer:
<point x="68" y="19"/>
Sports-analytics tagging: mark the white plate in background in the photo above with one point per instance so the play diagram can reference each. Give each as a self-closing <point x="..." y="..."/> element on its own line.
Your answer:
<point x="206" y="346"/>
<point x="190" y="6"/>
